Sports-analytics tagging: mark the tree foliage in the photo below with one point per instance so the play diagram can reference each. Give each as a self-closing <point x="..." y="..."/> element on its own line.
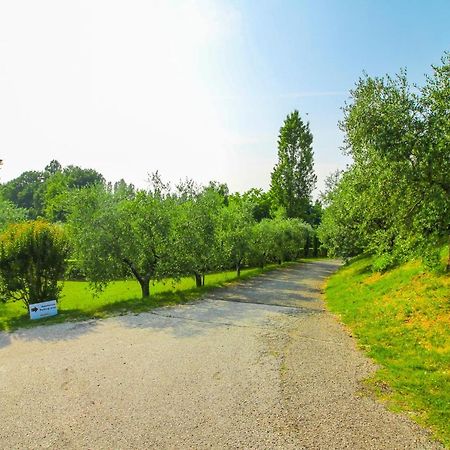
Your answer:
<point x="26" y="192"/>
<point x="45" y="193"/>
<point x="278" y="240"/>
<point x="9" y="213"/>
<point x="235" y="232"/>
<point x="293" y="178"/>
<point x="117" y="231"/>
<point x="261" y="203"/>
<point x="195" y="244"/>
<point x="115" y="237"/>
<point x="160" y="233"/>
<point x="394" y="200"/>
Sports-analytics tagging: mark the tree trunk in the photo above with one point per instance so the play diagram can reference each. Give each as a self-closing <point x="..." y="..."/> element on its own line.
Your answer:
<point x="144" y="281"/>
<point x="198" y="280"/>
<point x="306" y="248"/>
<point x="203" y="279"/>
<point x="145" y="287"/>
<point x="238" y="269"/>
<point x="315" y="247"/>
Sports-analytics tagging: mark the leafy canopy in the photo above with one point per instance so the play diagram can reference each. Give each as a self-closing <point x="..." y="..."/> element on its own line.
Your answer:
<point x="293" y="178"/>
<point x="394" y="200"/>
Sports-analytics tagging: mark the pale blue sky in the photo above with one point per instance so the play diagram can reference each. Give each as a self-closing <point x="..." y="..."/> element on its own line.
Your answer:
<point x="195" y="88"/>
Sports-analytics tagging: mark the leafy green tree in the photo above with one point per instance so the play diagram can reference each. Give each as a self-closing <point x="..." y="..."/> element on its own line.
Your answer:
<point x="236" y="224"/>
<point x="187" y="190"/>
<point x="293" y="178"/>
<point x="124" y="190"/>
<point x="394" y="200"/>
<point x="221" y="189"/>
<point x="262" y="242"/>
<point x="290" y="238"/>
<point x="59" y="185"/>
<point x="25" y="192"/>
<point x="434" y="161"/>
<point x="116" y="237"/>
<point x="32" y="260"/>
<point x="331" y="182"/>
<point x="261" y="203"/>
<point x="9" y="213"/>
<point x="278" y="240"/>
<point x="194" y="241"/>
<point x="315" y="213"/>
<point x="395" y="147"/>
<point x="44" y="194"/>
<point x="341" y="229"/>
<point x="56" y="197"/>
<point x="52" y="167"/>
<point x="78" y="178"/>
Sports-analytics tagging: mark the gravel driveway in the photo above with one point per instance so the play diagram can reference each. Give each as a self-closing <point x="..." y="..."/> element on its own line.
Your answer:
<point x="258" y="365"/>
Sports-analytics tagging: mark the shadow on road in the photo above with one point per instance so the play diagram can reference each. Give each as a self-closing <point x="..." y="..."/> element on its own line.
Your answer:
<point x="298" y="286"/>
<point x="292" y="291"/>
<point x="251" y="303"/>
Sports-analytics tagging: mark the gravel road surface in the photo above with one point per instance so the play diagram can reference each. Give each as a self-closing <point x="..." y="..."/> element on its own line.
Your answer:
<point x="257" y="365"/>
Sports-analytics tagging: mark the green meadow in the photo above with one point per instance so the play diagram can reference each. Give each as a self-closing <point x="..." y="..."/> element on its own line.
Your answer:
<point x="78" y="301"/>
<point x="401" y="318"/>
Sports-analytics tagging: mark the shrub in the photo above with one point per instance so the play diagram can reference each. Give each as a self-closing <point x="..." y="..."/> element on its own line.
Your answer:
<point x="32" y="260"/>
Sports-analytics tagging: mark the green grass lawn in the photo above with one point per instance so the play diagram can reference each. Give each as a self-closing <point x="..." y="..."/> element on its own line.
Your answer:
<point x="120" y="297"/>
<point x="402" y="320"/>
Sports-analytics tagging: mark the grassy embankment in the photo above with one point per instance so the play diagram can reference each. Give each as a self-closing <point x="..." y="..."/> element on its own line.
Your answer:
<point x="402" y="320"/>
<point x="120" y="297"/>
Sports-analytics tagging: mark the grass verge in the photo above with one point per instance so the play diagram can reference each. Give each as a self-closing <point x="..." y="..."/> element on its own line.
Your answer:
<point x="402" y="320"/>
<point x="120" y="297"/>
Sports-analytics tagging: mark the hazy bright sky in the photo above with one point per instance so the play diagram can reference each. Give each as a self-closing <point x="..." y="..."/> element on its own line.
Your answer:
<point x="194" y="89"/>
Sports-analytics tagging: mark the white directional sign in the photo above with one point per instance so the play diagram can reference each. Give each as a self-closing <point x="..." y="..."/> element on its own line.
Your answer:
<point x="43" y="309"/>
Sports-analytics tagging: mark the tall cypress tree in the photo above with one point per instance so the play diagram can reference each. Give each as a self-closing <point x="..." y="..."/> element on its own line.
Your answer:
<point x="293" y="177"/>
